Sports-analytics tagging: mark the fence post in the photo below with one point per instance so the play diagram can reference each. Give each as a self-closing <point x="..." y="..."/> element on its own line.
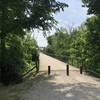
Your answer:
<point x="49" y="70"/>
<point x="67" y="70"/>
<point x="81" y="69"/>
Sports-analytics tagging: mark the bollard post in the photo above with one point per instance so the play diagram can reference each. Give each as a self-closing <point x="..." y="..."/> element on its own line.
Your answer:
<point x="81" y="69"/>
<point x="49" y="70"/>
<point x="67" y="70"/>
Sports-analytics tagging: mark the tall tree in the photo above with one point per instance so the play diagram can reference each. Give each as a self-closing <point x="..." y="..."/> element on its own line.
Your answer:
<point x="93" y="34"/>
<point x="93" y="43"/>
<point x="58" y="44"/>
<point x="18" y="15"/>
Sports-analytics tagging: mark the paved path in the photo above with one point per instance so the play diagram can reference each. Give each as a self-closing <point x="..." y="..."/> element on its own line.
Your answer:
<point x="58" y="86"/>
<point x="54" y="63"/>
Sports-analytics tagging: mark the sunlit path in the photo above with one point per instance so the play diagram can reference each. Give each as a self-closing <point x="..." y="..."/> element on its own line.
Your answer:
<point x="55" y="64"/>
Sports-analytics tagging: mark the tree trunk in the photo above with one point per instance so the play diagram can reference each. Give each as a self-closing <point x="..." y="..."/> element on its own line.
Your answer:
<point x="3" y="51"/>
<point x="2" y="40"/>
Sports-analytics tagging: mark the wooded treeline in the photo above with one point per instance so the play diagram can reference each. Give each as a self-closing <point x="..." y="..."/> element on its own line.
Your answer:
<point x="80" y="46"/>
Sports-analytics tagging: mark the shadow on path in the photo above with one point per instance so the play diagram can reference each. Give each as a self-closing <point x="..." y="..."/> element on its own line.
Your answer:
<point x="43" y="88"/>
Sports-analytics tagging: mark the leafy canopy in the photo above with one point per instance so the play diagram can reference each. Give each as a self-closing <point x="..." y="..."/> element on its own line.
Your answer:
<point x="93" y="6"/>
<point x="17" y="15"/>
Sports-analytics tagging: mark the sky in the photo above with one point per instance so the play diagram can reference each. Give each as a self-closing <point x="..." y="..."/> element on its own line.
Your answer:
<point x="73" y="16"/>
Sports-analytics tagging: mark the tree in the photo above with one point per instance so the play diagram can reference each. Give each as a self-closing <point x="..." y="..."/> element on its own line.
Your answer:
<point x="58" y="44"/>
<point x="20" y="15"/>
<point x="69" y="45"/>
<point x="78" y="42"/>
<point x="93" y="35"/>
<point x="93" y="6"/>
<point x="19" y="53"/>
<point x="93" y="43"/>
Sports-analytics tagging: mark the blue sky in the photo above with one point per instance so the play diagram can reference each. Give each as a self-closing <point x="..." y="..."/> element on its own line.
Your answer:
<point x="72" y="16"/>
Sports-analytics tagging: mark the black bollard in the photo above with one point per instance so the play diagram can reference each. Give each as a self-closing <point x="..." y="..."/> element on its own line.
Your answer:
<point x="67" y="70"/>
<point x="49" y="70"/>
<point x="81" y="69"/>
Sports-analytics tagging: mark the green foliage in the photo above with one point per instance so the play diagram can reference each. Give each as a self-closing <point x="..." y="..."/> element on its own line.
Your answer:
<point x="77" y="44"/>
<point x="29" y="50"/>
<point x="68" y="45"/>
<point x="17" y="16"/>
<point x="58" y="44"/>
<point x="13" y="59"/>
<point x="93" y="35"/>
<point x="81" y="47"/>
<point x="93" y="43"/>
<point x="93" y="6"/>
<point x="26" y="14"/>
<point x="18" y="59"/>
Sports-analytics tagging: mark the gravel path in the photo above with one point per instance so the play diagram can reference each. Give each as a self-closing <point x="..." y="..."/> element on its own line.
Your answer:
<point x="58" y="86"/>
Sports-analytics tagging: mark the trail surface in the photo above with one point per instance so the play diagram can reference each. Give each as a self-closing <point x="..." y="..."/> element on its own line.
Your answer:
<point x="57" y="86"/>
